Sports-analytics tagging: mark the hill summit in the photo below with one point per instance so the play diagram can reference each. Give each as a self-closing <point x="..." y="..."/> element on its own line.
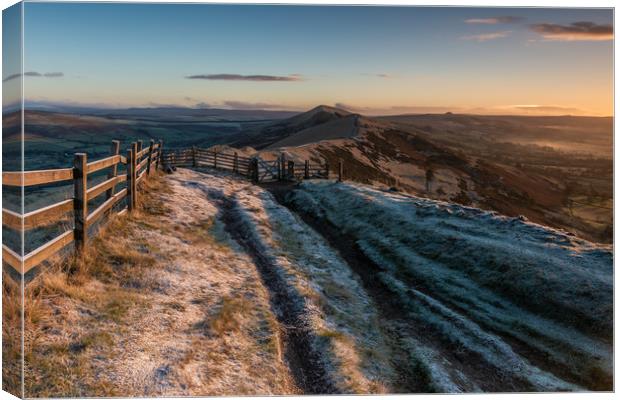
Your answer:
<point x="320" y="123"/>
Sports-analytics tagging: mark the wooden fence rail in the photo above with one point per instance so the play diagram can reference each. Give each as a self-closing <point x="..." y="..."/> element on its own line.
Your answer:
<point x="138" y="164"/>
<point x="253" y="168"/>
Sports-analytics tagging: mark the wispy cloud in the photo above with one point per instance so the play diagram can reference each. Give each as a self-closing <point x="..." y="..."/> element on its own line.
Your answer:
<point x="577" y="31"/>
<point x="244" y="105"/>
<point x="254" y="78"/>
<point x="53" y="75"/>
<point x="11" y="77"/>
<point x="483" y="37"/>
<point x="378" y="75"/>
<point x="506" y="19"/>
<point x="34" y="74"/>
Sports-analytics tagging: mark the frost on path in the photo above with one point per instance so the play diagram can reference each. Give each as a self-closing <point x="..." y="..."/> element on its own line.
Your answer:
<point x="335" y="310"/>
<point x="210" y="329"/>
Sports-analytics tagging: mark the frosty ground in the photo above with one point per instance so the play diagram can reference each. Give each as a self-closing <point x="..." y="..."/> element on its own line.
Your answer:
<point x="322" y="288"/>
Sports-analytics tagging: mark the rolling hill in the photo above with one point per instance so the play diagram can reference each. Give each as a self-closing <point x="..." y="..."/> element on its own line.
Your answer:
<point x="497" y="163"/>
<point x="320" y="123"/>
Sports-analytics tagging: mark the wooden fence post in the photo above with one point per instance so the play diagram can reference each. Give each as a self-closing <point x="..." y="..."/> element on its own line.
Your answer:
<point x="291" y="170"/>
<point x="215" y="159"/>
<point x="148" y="164"/>
<point x="130" y="193"/>
<point x="194" y="156"/>
<point x="254" y="164"/>
<point x="340" y="170"/>
<point x="139" y="146"/>
<point x="307" y="169"/>
<point x="236" y="163"/>
<point x="134" y="174"/>
<point x="160" y="154"/>
<point x="282" y="165"/>
<point x="116" y="146"/>
<point x="80" y="205"/>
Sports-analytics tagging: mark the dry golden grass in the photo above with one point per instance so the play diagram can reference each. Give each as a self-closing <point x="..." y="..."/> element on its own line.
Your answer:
<point x="11" y="335"/>
<point x="159" y="304"/>
<point x="226" y="318"/>
<point x="91" y="292"/>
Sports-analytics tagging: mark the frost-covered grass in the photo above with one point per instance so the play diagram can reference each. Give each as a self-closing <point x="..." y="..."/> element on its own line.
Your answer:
<point x="335" y="307"/>
<point x="165" y="304"/>
<point x="485" y="281"/>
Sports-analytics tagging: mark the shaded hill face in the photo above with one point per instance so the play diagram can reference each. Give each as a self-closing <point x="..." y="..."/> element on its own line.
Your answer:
<point x="320" y="123"/>
<point x="452" y="263"/>
<point x="493" y="164"/>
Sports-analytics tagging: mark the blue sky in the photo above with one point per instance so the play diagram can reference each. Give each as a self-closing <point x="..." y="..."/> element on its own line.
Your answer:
<point x="376" y="60"/>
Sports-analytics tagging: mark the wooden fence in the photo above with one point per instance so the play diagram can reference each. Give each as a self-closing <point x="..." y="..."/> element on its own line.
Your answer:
<point x="253" y="168"/>
<point x="139" y="162"/>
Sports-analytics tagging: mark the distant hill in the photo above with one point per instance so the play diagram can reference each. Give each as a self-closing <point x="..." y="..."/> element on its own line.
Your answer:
<point x="320" y="123"/>
<point x="164" y="113"/>
<point x="513" y="165"/>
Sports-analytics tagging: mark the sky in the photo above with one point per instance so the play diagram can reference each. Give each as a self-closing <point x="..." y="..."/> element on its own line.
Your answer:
<point x="372" y="60"/>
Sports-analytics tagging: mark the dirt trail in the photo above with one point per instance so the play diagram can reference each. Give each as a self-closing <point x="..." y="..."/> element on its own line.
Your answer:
<point x="302" y="358"/>
<point x="322" y="355"/>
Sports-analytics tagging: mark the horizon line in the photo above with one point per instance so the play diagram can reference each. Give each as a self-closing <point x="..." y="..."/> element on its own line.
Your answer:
<point x="41" y="107"/>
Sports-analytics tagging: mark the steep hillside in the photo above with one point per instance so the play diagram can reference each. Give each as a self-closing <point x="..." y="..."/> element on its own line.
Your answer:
<point x="525" y="298"/>
<point x="565" y="190"/>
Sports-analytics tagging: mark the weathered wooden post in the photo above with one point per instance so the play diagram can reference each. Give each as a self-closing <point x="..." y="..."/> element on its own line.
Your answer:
<point x="236" y="163"/>
<point x="134" y="173"/>
<point x="283" y="165"/>
<point x="160" y="154"/>
<point x="254" y="164"/>
<point x="279" y="168"/>
<point x="116" y="145"/>
<point x="215" y="159"/>
<point x="80" y="204"/>
<point x="307" y="169"/>
<point x="136" y="157"/>
<point x="340" y="170"/>
<point x="194" y="156"/>
<point x="291" y="170"/>
<point x="130" y="193"/>
<point x="326" y="169"/>
<point x="148" y="164"/>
